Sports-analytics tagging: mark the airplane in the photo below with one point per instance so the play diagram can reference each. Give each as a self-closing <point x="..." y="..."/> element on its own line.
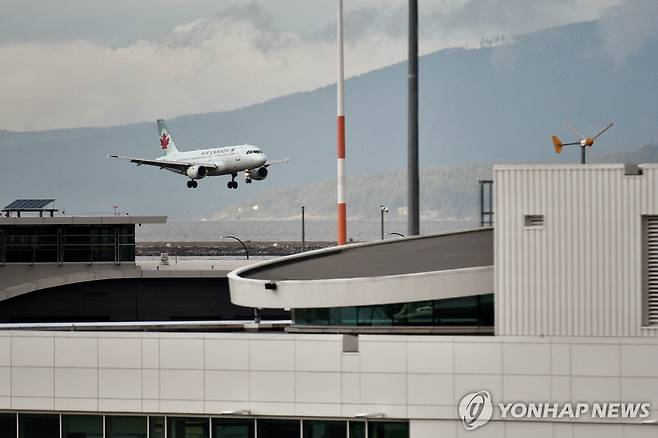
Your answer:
<point x="196" y="165"/>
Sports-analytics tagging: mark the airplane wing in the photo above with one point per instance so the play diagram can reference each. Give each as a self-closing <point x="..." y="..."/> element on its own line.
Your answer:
<point x="284" y="160"/>
<point x="164" y="164"/>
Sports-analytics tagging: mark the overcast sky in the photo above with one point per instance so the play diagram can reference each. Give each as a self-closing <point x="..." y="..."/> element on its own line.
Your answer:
<point x="71" y="63"/>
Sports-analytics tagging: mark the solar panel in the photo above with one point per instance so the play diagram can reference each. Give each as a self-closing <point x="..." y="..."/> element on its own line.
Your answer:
<point x="29" y="204"/>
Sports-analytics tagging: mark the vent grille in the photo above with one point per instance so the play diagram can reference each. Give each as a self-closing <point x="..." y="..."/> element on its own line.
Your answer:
<point x="534" y="220"/>
<point x="652" y="269"/>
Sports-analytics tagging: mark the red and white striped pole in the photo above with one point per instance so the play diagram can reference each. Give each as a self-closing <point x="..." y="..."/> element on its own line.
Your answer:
<point x="340" y="125"/>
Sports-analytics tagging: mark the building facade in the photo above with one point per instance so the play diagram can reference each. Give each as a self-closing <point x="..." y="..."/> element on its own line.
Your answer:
<point x="385" y="342"/>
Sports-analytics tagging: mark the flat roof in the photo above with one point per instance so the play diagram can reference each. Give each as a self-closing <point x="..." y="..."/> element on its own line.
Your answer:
<point x="82" y="220"/>
<point x="392" y="257"/>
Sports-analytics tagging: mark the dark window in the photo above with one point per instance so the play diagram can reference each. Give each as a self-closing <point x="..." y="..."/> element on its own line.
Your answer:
<point x="8" y="425"/>
<point x="125" y="427"/>
<point x="82" y="426"/>
<point x="232" y="428"/>
<point x="418" y="313"/>
<point x="38" y="426"/>
<point x="156" y="427"/>
<point x="476" y="310"/>
<point x="357" y="429"/>
<point x="325" y="429"/>
<point x="388" y="429"/>
<point x="278" y="428"/>
<point x="179" y="427"/>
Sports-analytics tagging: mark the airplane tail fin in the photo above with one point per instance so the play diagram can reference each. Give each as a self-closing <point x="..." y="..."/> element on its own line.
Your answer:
<point x="166" y="141"/>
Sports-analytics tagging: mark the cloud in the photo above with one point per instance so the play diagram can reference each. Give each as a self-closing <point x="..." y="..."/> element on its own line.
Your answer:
<point x="628" y="28"/>
<point x="247" y="53"/>
<point x="228" y="61"/>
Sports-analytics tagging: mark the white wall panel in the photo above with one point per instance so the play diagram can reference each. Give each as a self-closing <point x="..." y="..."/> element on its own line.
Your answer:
<point x="120" y="352"/>
<point x="511" y="368"/>
<point x="580" y="274"/>
<point x="76" y="352"/>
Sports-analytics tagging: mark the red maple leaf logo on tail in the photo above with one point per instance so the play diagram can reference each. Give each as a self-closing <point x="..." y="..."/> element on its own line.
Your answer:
<point x="164" y="142"/>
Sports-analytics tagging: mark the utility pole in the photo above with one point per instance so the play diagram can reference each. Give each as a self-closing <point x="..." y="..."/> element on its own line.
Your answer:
<point x="340" y="128"/>
<point x="413" y="208"/>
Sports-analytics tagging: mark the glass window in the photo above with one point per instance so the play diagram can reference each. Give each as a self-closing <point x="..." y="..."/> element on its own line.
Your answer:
<point x="8" y="425"/>
<point x="476" y="310"/>
<point x="299" y="315"/>
<point x="233" y="428"/>
<point x="324" y="429"/>
<point x="343" y="316"/>
<point x="381" y="315"/>
<point x="278" y="428"/>
<point x="317" y="316"/>
<point x="181" y="427"/>
<point x="127" y="253"/>
<point x="38" y="426"/>
<point x="357" y="429"/>
<point x="125" y="427"/>
<point x="82" y="426"/>
<point x="486" y="309"/>
<point x="457" y="311"/>
<point x="388" y="429"/>
<point x="417" y="313"/>
<point x="156" y="427"/>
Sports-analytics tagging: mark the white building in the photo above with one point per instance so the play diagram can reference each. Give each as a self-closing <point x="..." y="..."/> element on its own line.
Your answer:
<point x="387" y="338"/>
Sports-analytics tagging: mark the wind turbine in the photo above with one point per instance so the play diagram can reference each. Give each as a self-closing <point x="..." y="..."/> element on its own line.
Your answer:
<point x="583" y="142"/>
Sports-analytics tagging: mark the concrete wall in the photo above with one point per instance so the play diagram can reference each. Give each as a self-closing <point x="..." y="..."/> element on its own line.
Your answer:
<point x="580" y="274"/>
<point x="415" y="377"/>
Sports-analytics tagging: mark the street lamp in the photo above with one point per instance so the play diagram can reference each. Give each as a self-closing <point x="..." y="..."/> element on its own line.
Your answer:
<point x="383" y="209"/>
<point x="241" y="242"/>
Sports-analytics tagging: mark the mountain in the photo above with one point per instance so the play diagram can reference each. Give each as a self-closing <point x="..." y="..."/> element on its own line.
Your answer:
<point x="447" y="193"/>
<point x="492" y="104"/>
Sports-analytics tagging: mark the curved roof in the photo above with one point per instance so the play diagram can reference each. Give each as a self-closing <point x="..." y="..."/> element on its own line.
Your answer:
<point x="391" y="257"/>
<point x="392" y="271"/>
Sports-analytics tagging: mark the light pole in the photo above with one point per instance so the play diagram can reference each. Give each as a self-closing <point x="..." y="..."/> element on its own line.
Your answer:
<point x="383" y="209"/>
<point x="413" y="208"/>
<point x="303" y="231"/>
<point x="241" y="242"/>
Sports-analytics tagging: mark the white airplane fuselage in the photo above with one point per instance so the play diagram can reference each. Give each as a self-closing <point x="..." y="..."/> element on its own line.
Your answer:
<point x="195" y="165"/>
<point x="227" y="159"/>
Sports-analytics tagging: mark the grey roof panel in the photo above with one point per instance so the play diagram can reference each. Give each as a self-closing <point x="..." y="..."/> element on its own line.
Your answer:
<point x="395" y="257"/>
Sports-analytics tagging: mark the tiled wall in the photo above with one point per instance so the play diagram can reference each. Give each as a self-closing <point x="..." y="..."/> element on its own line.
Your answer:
<point x="417" y="377"/>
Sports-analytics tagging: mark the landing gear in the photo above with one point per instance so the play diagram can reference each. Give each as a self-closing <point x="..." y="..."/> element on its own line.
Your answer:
<point x="248" y="180"/>
<point x="233" y="184"/>
<point x="191" y="184"/>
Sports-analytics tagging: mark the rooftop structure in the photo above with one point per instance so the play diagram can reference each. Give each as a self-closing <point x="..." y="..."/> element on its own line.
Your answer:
<point x="30" y="206"/>
<point x="563" y="287"/>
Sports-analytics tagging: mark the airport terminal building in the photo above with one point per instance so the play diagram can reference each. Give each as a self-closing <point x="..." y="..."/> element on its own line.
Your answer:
<point x="494" y="332"/>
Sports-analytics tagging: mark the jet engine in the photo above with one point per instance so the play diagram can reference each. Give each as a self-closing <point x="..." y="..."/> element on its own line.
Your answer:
<point x="258" y="174"/>
<point x="196" y="172"/>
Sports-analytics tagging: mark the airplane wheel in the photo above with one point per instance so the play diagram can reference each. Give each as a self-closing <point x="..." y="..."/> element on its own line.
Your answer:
<point x="235" y="184"/>
<point x="248" y="180"/>
<point x="194" y="184"/>
<point x="230" y="184"/>
<point x="189" y="184"/>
